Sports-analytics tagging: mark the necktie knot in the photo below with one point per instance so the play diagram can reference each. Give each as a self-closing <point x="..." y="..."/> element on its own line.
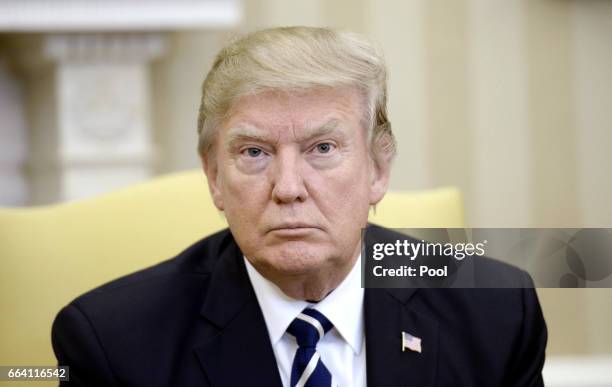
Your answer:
<point x="309" y="327"/>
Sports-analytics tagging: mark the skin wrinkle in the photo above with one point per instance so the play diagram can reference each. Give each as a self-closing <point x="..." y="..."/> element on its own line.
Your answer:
<point x="326" y="195"/>
<point x="248" y="133"/>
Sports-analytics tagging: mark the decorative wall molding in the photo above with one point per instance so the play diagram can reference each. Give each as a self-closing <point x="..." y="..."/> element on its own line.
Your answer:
<point x="88" y="88"/>
<point x="104" y="47"/>
<point x="100" y="90"/>
<point x="117" y="15"/>
<point x="13" y="147"/>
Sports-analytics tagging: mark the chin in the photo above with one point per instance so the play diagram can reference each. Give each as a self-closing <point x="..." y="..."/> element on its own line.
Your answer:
<point x="296" y="258"/>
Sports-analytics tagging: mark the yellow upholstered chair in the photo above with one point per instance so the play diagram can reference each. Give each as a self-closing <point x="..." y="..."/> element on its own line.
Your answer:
<point x="51" y="254"/>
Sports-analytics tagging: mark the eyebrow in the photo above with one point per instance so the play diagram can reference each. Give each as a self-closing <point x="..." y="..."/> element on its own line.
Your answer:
<point x="248" y="133"/>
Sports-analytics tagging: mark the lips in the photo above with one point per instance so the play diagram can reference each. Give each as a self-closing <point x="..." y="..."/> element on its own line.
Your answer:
<point x="291" y="225"/>
<point x="293" y="229"/>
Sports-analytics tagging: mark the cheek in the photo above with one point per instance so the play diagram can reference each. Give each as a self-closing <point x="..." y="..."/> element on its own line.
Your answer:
<point x="244" y="197"/>
<point x="344" y="194"/>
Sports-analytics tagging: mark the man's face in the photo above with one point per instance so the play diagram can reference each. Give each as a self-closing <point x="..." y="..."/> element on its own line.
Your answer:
<point x="293" y="176"/>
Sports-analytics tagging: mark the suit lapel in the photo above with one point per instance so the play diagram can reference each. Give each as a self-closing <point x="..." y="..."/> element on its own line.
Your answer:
<point x="240" y="353"/>
<point x="388" y="312"/>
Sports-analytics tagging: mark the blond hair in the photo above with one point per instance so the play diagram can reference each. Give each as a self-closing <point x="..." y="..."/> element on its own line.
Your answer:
<point x="297" y="59"/>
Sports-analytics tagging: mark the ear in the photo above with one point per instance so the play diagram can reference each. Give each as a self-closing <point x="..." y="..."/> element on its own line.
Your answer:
<point x="212" y="174"/>
<point x="379" y="180"/>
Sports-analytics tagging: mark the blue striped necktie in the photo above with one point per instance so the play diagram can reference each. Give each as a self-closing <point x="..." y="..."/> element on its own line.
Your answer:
<point x="308" y="369"/>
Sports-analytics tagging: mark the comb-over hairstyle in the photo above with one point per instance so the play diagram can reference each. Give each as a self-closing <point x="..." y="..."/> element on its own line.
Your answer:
<point x="297" y="59"/>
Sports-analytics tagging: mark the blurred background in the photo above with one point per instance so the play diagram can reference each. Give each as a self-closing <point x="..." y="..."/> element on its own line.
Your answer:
<point x="509" y="100"/>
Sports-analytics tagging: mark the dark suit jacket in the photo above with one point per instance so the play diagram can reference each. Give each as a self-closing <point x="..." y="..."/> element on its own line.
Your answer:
<point x="194" y="320"/>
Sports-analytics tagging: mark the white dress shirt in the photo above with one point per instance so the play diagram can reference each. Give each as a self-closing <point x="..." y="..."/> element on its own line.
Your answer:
<point x="342" y="349"/>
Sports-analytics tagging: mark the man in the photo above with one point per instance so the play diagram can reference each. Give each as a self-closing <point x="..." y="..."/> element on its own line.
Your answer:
<point x="296" y="146"/>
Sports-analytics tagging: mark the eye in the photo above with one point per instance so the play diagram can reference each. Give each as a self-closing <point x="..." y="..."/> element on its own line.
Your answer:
<point x="253" y="152"/>
<point x="324" y="147"/>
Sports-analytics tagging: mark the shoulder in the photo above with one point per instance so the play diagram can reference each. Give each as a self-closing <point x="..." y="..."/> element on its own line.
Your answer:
<point x="485" y="272"/>
<point x="485" y="290"/>
<point x="175" y="286"/>
<point x="128" y="325"/>
<point x="196" y="261"/>
<point x="493" y="289"/>
<point x="495" y="321"/>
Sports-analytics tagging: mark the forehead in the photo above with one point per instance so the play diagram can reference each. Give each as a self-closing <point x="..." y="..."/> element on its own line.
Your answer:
<point x="279" y="110"/>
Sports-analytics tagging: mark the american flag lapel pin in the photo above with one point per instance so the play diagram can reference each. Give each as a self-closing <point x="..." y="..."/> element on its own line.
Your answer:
<point x="412" y="343"/>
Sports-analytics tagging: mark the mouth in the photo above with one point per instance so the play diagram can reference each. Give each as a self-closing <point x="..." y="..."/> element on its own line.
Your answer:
<point x="293" y="229"/>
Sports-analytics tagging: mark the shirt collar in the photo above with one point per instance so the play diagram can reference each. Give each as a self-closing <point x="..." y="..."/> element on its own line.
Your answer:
<point x="343" y="306"/>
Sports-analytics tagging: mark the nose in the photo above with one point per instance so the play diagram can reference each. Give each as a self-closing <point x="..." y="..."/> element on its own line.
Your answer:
<point x="288" y="180"/>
